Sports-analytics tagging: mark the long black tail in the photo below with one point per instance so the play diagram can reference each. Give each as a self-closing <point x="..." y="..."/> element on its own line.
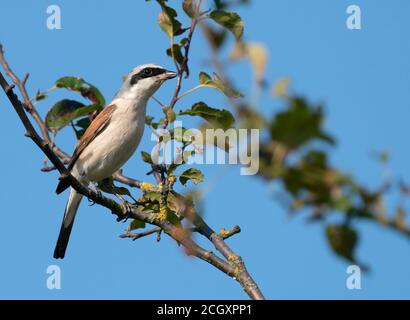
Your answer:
<point x="67" y="225"/>
<point x="62" y="241"/>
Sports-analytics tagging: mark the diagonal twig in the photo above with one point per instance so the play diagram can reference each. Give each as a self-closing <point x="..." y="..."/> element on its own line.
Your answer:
<point x="28" y="105"/>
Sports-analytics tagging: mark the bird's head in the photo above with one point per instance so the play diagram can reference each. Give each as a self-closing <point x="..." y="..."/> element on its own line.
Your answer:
<point x="143" y="81"/>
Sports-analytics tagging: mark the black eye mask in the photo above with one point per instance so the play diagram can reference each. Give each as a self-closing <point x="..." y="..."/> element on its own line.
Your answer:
<point x="146" y="73"/>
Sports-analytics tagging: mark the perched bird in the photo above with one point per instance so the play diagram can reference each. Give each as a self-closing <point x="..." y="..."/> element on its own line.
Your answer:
<point x="110" y="140"/>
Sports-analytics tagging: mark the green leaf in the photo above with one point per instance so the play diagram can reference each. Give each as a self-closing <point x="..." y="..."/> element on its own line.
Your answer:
<point x="153" y="196"/>
<point x="188" y="7"/>
<point x="149" y="207"/>
<point x="174" y="203"/>
<point x="219" y="4"/>
<point x="250" y="118"/>
<point x="192" y="174"/>
<point x="148" y="120"/>
<point x="83" y="123"/>
<point x="108" y="186"/>
<point x="298" y="125"/>
<point x="171" y="115"/>
<point x="167" y="20"/>
<point x="183" y="42"/>
<point x="400" y="219"/>
<point x="65" y="111"/>
<point x="312" y="175"/>
<point x="86" y="89"/>
<point x="40" y="96"/>
<point x="342" y="240"/>
<point x="216" y="37"/>
<point x="229" y="20"/>
<point x="136" y="224"/>
<point x="176" y="53"/>
<point x="382" y="157"/>
<point x="204" y="78"/>
<point x="216" y="117"/>
<point x="71" y="83"/>
<point x="343" y="204"/>
<point x="146" y="157"/>
<point x="217" y="83"/>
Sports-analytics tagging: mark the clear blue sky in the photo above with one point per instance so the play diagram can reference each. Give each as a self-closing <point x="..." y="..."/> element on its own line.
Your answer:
<point x="362" y="76"/>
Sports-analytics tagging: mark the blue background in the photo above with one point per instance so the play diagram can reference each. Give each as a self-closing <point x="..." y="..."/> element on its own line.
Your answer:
<point x="362" y="76"/>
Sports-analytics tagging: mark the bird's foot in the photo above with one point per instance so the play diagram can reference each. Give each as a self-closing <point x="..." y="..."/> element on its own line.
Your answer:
<point x="99" y="196"/>
<point x="126" y="209"/>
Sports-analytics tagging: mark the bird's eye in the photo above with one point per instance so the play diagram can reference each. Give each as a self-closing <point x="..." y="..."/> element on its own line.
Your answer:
<point x="148" y="72"/>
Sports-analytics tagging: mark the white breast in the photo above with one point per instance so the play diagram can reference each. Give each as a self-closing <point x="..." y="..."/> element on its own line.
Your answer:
<point x="112" y="148"/>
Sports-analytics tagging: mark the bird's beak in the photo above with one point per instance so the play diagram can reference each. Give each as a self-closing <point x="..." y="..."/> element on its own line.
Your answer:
<point x="169" y="75"/>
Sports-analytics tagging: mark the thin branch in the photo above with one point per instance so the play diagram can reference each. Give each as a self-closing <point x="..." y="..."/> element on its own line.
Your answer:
<point x="46" y="168"/>
<point x="136" y="236"/>
<point x="226" y="234"/>
<point x="157" y="101"/>
<point x="28" y="105"/>
<point x="184" y="69"/>
<point x="119" y="176"/>
<point x="190" y="91"/>
<point x="241" y="273"/>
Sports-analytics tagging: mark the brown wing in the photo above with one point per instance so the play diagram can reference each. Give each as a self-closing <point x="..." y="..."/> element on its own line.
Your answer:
<point x="95" y="128"/>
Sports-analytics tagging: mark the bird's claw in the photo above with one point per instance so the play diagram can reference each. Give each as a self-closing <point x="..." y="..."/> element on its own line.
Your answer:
<point x="126" y="209"/>
<point x="98" y="197"/>
<point x="99" y="194"/>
